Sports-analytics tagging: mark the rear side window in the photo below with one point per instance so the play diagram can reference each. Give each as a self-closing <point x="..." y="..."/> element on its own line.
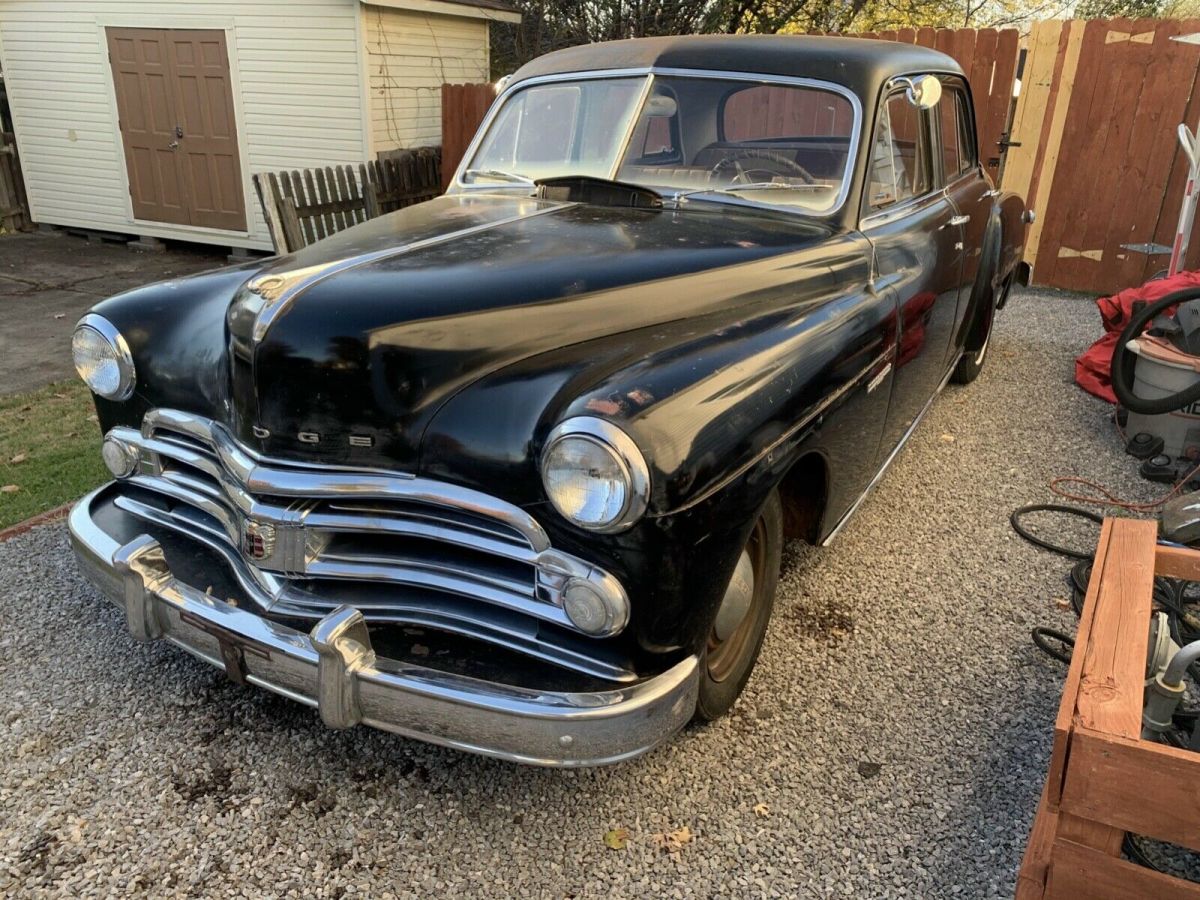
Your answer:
<point x="958" y="153"/>
<point x="768" y="112"/>
<point x="900" y="156"/>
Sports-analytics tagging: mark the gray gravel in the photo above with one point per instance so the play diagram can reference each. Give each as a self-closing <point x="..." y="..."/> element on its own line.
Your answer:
<point x="897" y="728"/>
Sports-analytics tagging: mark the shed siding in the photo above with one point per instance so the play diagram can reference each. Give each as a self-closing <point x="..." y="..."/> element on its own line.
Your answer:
<point x="298" y="94"/>
<point x="410" y="55"/>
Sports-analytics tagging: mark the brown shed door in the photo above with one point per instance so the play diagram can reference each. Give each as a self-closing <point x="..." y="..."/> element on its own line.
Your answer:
<point x="175" y="102"/>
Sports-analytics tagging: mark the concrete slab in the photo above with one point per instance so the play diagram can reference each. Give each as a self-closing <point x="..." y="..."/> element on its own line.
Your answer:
<point x="49" y="279"/>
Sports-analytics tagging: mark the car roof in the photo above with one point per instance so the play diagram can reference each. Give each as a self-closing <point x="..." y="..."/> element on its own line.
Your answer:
<point x="860" y="64"/>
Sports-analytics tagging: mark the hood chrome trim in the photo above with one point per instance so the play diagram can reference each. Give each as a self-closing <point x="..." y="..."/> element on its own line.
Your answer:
<point x="277" y="290"/>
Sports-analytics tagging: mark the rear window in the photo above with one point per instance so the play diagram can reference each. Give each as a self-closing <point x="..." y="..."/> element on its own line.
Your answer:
<point x="769" y="112"/>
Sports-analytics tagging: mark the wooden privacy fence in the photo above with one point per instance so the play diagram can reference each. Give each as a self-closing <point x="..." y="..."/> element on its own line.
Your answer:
<point x="989" y="59"/>
<point x="463" y="109"/>
<point x="1098" y="158"/>
<point x="14" y="204"/>
<point x="303" y="207"/>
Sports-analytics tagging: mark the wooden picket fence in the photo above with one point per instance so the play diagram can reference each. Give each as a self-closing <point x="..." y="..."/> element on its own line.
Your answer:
<point x="463" y="109"/>
<point x="304" y="207"/>
<point x="1098" y="158"/>
<point x="989" y="59"/>
<point x="14" y="203"/>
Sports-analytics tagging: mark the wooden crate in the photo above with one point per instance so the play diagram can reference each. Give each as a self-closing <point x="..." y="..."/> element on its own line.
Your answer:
<point x="1104" y="780"/>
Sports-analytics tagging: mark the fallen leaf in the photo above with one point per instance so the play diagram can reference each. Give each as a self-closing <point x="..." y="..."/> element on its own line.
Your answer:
<point x="9" y="489"/>
<point x="60" y="315"/>
<point x="1062" y="602"/>
<point x="18" y="459"/>
<point x="673" y="841"/>
<point x="762" y="810"/>
<point x="616" y="838"/>
<point x="948" y="438"/>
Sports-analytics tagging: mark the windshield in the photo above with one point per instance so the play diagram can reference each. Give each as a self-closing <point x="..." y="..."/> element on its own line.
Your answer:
<point x="709" y="137"/>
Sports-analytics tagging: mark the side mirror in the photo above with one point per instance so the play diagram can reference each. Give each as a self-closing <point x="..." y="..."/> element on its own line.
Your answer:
<point x="923" y="91"/>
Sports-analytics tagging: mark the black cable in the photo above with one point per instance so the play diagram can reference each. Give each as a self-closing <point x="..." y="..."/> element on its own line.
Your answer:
<point x="1136" y="854"/>
<point x="1017" y="515"/>
<point x="1042" y="638"/>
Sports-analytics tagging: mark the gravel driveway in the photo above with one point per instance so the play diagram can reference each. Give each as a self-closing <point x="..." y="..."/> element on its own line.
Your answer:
<point x="894" y="736"/>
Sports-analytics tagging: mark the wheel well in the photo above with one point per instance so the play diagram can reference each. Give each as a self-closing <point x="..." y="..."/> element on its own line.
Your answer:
<point x="803" y="493"/>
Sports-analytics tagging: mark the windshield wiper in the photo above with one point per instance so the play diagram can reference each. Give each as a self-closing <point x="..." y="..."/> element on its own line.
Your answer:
<point x="509" y="177"/>
<point x="735" y="189"/>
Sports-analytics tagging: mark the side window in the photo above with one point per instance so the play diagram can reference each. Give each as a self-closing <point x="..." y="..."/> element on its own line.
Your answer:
<point x="966" y="140"/>
<point x="952" y="156"/>
<point x="958" y="153"/>
<point x="900" y="156"/>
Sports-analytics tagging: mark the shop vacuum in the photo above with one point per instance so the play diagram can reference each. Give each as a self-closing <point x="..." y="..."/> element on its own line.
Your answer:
<point x="1156" y="379"/>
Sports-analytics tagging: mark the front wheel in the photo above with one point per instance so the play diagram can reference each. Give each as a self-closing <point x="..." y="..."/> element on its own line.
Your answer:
<point x="741" y="624"/>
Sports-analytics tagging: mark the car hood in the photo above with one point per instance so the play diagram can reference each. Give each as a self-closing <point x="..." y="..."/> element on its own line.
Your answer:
<point x="343" y="352"/>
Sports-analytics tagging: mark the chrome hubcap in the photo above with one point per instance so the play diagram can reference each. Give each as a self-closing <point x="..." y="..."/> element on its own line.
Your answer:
<point x="737" y="600"/>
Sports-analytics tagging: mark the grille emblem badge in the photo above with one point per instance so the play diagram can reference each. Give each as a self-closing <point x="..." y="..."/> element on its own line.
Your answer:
<point x="258" y="539"/>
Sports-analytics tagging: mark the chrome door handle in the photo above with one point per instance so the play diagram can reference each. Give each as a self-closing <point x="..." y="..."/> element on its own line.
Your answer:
<point x="960" y="220"/>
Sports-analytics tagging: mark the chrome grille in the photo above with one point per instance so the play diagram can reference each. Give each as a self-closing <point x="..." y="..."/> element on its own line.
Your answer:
<point x="401" y="549"/>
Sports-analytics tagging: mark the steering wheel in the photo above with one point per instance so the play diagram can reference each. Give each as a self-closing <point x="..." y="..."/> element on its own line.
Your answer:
<point x="767" y="162"/>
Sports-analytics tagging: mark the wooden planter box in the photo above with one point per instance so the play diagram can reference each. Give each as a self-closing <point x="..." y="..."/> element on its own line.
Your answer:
<point x="1104" y="780"/>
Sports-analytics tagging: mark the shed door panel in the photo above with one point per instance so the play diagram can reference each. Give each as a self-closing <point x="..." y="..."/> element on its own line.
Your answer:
<point x="175" y="101"/>
<point x="145" y="105"/>
<point x="209" y="147"/>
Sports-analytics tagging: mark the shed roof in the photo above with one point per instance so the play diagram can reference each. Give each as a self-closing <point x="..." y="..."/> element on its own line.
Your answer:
<point x="494" y="10"/>
<point x="859" y="64"/>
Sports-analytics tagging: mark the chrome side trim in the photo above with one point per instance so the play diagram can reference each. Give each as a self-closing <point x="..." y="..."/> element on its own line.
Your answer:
<point x="457" y="185"/>
<point x="890" y="459"/>
<point x="279" y="289"/>
<point x="811" y="416"/>
<point x="335" y="669"/>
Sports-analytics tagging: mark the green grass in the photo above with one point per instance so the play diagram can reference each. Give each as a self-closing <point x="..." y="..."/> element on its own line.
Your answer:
<point x="54" y="435"/>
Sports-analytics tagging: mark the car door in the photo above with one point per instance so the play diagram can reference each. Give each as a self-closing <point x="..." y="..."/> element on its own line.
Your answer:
<point x="968" y="189"/>
<point x="917" y="241"/>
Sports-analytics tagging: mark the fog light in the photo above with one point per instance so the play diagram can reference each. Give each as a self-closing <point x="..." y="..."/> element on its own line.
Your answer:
<point x="120" y="457"/>
<point x="593" y="610"/>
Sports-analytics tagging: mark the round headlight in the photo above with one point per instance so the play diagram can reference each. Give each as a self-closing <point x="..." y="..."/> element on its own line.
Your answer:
<point x="102" y="358"/>
<point x="595" y="475"/>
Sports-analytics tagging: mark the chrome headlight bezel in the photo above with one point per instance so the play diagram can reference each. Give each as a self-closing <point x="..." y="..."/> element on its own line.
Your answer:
<point x="127" y="375"/>
<point x="626" y="456"/>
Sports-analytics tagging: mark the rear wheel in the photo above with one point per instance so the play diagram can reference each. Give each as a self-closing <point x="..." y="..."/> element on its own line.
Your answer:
<point x="970" y="364"/>
<point x="741" y="624"/>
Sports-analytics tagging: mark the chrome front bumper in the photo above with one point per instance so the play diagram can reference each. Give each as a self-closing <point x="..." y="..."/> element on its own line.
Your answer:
<point x="334" y="668"/>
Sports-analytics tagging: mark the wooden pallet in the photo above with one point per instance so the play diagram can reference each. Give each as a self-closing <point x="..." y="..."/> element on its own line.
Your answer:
<point x="1104" y="780"/>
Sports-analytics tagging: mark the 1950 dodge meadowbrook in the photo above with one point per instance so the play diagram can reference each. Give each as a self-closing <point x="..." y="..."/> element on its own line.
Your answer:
<point x="511" y="470"/>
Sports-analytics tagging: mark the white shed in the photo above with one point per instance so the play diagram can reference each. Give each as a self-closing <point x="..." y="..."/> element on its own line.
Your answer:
<point x="149" y="117"/>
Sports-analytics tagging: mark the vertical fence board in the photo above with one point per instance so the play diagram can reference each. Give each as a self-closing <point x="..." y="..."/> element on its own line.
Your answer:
<point x="1164" y="103"/>
<point x="463" y="109"/>
<point x="1032" y="107"/>
<point x="1052" y="136"/>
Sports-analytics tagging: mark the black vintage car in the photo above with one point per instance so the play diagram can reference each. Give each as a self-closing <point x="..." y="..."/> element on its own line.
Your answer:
<point x="511" y="470"/>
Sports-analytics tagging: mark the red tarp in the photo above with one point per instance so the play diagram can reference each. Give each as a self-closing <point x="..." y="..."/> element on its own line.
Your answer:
<point x="1092" y="369"/>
